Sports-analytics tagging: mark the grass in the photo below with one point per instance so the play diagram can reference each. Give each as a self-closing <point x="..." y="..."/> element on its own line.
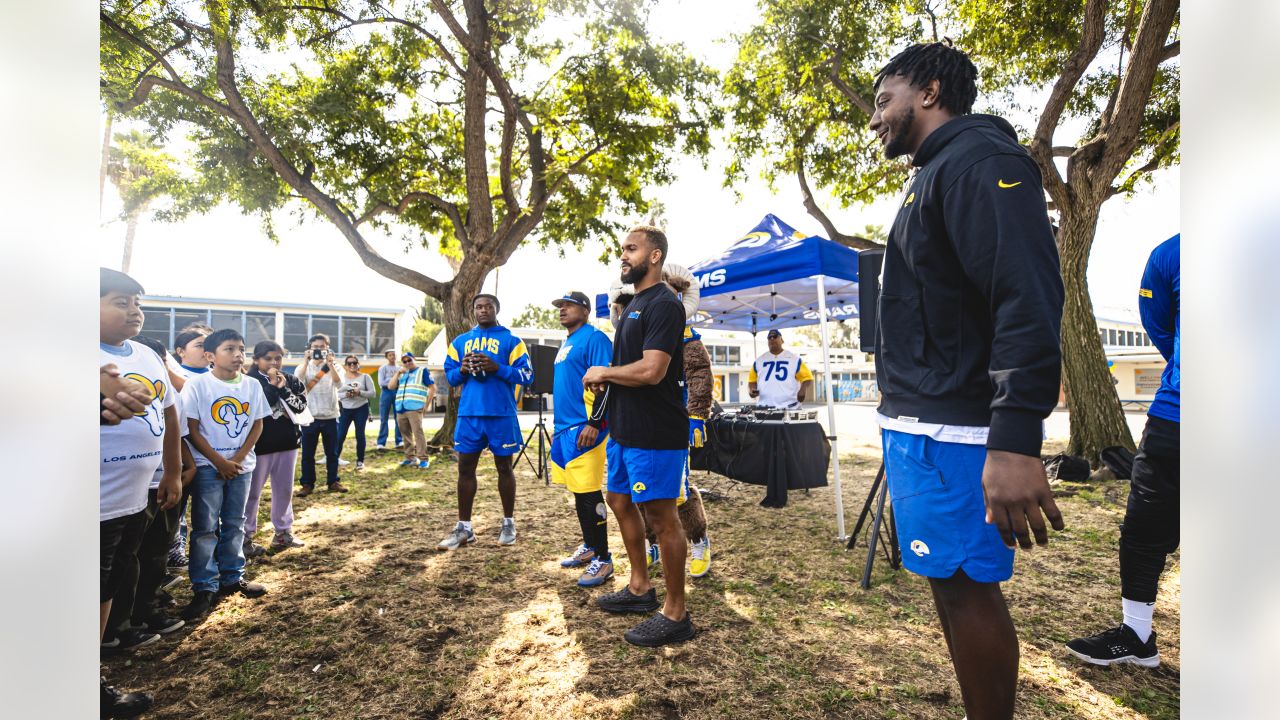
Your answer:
<point x="370" y="621"/>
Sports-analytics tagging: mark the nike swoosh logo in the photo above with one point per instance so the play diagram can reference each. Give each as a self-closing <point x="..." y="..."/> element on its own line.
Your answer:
<point x="1006" y="186"/>
<point x="507" y="445"/>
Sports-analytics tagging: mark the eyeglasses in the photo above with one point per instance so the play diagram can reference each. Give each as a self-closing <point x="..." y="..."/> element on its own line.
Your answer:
<point x="406" y="361"/>
<point x="353" y="363"/>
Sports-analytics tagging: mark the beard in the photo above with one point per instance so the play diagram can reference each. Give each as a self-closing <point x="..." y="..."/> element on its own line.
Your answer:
<point x="635" y="274"/>
<point x="898" y="132"/>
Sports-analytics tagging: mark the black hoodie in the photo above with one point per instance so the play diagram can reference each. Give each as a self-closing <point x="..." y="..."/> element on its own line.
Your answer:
<point x="971" y="296"/>
<point x="279" y="433"/>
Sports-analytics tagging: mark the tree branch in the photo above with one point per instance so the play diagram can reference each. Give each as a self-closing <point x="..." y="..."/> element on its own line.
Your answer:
<point x="811" y="205"/>
<point x="1170" y="51"/>
<point x="146" y="47"/>
<point x="1135" y="88"/>
<point x="385" y="17"/>
<point x="845" y="88"/>
<point x="1126" y="186"/>
<point x="329" y="207"/>
<point x="449" y="209"/>
<point x="1063" y="150"/>
<point x="1091" y="36"/>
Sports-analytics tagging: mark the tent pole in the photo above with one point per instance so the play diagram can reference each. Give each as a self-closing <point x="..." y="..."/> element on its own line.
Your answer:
<point x="831" y="405"/>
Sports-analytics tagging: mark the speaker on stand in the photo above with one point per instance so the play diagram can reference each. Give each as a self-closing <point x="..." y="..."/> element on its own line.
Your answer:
<point x="543" y="360"/>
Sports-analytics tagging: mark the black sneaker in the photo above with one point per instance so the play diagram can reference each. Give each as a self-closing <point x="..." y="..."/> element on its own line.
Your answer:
<point x="169" y="582"/>
<point x="162" y="623"/>
<point x="130" y="639"/>
<point x="177" y="562"/>
<point x="1117" y="645"/>
<point x="245" y="588"/>
<point x="115" y="704"/>
<point x="201" y="603"/>
<point x="624" y="601"/>
<point x="165" y="601"/>
<point x="658" y="631"/>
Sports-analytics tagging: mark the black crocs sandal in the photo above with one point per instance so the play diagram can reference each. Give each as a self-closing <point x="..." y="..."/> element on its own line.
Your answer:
<point x="625" y="601"/>
<point x="658" y="631"/>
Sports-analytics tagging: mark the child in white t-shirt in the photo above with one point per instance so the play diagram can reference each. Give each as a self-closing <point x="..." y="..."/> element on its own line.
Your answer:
<point x="130" y="451"/>
<point x="224" y="411"/>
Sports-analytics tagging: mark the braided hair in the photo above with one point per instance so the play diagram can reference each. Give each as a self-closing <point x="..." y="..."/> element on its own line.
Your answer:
<point x="956" y="75"/>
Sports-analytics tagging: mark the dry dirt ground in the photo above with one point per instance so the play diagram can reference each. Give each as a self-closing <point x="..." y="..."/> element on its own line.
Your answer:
<point x="370" y="621"/>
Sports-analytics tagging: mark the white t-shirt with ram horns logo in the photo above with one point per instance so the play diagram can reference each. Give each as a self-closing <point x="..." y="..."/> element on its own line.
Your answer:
<point x="226" y="412"/>
<point x="132" y="450"/>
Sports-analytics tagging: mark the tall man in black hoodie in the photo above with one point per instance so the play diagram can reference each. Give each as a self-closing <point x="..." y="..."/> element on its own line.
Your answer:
<point x="967" y="358"/>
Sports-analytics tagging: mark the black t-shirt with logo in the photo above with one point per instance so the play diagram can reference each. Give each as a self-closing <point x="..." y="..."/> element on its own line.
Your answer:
<point x="652" y="416"/>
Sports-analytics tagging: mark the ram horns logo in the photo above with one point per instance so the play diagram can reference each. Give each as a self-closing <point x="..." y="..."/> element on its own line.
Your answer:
<point x="232" y="413"/>
<point x="919" y="548"/>
<point x="638" y="488"/>
<point x="154" y="415"/>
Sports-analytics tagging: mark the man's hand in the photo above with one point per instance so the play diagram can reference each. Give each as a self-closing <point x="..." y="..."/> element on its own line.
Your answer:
<point x="170" y="490"/>
<point x="753" y="392"/>
<point x="481" y="361"/>
<point x="188" y="474"/>
<point x="1017" y="489"/>
<point x="124" y="398"/>
<point x="697" y="431"/>
<point x="594" y="379"/>
<point x="587" y="437"/>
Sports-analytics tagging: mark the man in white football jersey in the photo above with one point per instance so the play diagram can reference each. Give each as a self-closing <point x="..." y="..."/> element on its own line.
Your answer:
<point x="779" y="378"/>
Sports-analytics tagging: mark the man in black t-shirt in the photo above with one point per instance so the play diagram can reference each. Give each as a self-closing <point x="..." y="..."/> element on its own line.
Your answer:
<point x="648" y="448"/>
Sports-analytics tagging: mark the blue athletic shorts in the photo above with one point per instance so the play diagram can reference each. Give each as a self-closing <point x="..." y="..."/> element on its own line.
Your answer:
<point x="936" y="489"/>
<point x="647" y="474"/>
<point x="580" y="470"/>
<point x="500" y="434"/>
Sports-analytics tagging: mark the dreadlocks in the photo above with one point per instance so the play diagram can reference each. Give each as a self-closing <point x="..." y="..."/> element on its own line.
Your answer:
<point x="952" y="68"/>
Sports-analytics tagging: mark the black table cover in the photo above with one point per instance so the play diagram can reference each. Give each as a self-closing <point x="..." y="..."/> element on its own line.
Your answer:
<point x="780" y="456"/>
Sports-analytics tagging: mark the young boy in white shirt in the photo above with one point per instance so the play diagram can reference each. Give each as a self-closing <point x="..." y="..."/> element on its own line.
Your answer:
<point x="224" y="411"/>
<point x="131" y="451"/>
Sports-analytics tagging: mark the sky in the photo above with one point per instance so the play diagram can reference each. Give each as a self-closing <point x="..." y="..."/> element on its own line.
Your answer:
<point x="225" y="255"/>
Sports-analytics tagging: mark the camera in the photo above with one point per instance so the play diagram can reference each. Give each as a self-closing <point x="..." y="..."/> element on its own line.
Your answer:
<point x="317" y="354"/>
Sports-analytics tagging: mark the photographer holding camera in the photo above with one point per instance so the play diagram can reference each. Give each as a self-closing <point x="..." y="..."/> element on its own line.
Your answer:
<point x="319" y="375"/>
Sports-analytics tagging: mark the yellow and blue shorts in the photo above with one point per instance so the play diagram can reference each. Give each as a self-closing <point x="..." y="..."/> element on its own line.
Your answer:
<point x="581" y="470"/>
<point x="648" y="474"/>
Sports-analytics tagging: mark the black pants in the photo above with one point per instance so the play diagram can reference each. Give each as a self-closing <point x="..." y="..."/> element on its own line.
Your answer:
<point x="1150" y="530"/>
<point x="118" y="541"/>
<point x="141" y="576"/>
<point x="323" y="432"/>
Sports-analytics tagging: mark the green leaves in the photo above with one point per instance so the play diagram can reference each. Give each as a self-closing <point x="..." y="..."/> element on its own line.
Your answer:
<point x="364" y="104"/>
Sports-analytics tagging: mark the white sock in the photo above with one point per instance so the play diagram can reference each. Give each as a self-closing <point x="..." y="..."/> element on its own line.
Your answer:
<point x="509" y="520"/>
<point x="1137" y="615"/>
<point x="466" y="525"/>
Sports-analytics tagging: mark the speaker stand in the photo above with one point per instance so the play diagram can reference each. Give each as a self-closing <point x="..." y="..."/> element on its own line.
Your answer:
<point x="541" y="470"/>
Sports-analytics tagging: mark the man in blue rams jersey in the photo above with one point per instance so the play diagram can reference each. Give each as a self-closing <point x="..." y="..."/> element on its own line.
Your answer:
<point x="490" y="365"/>
<point x="578" y="447"/>
<point x="1150" y="529"/>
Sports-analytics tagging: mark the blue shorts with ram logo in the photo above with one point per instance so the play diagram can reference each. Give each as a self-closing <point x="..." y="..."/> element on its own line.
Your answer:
<point x="501" y="434"/>
<point x="936" y="489"/>
<point x="647" y="474"/>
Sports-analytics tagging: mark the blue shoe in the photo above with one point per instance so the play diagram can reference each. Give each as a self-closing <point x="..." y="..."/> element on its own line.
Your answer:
<point x="424" y="464"/>
<point x="580" y="557"/>
<point x="407" y="463"/>
<point x="596" y="573"/>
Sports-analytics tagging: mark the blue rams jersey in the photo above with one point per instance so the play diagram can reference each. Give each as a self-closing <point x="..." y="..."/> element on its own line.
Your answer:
<point x="1159" y="303"/>
<point x="495" y="394"/>
<point x="586" y="347"/>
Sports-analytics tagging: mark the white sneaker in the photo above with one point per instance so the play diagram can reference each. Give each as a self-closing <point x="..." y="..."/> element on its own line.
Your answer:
<point x="342" y="463"/>
<point x="507" y="535"/>
<point x="359" y="464"/>
<point x="457" y="538"/>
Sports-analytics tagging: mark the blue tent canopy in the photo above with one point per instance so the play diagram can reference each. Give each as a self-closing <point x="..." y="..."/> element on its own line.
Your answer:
<point x="769" y="279"/>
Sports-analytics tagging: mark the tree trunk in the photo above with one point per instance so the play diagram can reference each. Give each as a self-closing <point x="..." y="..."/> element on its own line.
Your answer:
<point x="130" y="230"/>
<point x="1097" y="420"/>
<point x="102" y="169"/>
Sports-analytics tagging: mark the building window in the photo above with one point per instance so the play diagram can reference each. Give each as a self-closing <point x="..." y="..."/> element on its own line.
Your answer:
<point x="258" y="327"/>
<point x="328" y="325"/>
<point x="735" y="356"/>
<point x="381" y="335"/>
<point x="223" y="319"/>
<point x="183" y="317"/>
<point x="296" y="332"/>
<point x="1102" y="336"/>
<point x="355" y="336"/>
<point x="1111" y="336"/>
<point x="156" y="324"/>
